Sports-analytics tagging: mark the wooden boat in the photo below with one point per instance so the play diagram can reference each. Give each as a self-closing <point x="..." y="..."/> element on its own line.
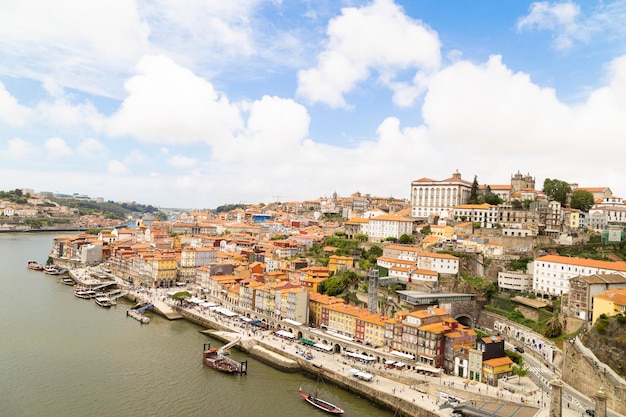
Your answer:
<point x="315" y="401"/>
<point x="35" y="266"/>
<point x="321" y="404"/>
<point x="216" y="358"/>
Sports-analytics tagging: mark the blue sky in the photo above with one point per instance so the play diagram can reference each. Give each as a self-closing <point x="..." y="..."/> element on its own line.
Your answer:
<point x="198" y="103"/>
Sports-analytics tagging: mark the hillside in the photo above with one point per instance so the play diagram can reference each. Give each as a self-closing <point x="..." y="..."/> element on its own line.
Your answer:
<point x="607" y="340"/>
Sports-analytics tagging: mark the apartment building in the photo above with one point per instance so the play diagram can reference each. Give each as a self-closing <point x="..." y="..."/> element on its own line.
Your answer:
<point x="552" y="273"/>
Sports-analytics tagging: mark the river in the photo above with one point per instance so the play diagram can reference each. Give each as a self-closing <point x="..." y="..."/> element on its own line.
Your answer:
<point x="64" y="356"/>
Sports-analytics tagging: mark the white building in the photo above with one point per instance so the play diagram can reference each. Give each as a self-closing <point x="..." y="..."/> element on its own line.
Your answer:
<point x="611" y="211"/>
<point x="515" y="281"/>
<point x="552" y="272"/>
<point x="485" y="214"/>
<point x="383" y="227"/>
<point x="431" y="197"/>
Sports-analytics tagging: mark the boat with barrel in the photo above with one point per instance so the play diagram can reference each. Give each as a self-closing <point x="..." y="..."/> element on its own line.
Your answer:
<point x="314" y="400"/>
<point x="216" y="359"/>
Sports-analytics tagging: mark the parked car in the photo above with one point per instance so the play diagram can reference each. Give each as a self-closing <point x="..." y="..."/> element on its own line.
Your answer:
<point x="519" y="349"/>
<point x="591" y="412"/>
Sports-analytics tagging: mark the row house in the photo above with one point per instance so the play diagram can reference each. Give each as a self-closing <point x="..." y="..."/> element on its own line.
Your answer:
<point x="193" y="258"/>
<point x="291" y="303"/>
<point x="411" y="325"/>
<point x="393" y="332"/>
<point x="247" y="293"/>
<point x="355" y="322"/>
<point x="405" y="256"/>
<point x="216" y="285"/>
<point x="580" y="300"/>
<point x="318" y="316"/>
<point x="456" y="342"/>
<point x="486" y="349"/>
<point x="485" y="214"/>
<point x="552" y="273"/>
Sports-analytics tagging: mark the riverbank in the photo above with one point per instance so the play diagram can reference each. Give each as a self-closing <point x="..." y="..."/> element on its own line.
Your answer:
<point x="408" y="391"/>
<point x="411" y="393"/>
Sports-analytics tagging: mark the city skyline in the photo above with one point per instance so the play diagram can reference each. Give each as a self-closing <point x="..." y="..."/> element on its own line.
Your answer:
<point x="204" y="103"/>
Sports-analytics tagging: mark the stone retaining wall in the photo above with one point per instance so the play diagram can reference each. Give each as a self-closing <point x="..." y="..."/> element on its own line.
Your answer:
<point x="587" y="375"/>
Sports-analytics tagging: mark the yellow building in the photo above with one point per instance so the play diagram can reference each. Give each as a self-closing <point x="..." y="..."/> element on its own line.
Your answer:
<point x="339" y="263"/>
<point x="496" y="368"/>
<point x="610" y="303"/>
<point x="316" y="303"/>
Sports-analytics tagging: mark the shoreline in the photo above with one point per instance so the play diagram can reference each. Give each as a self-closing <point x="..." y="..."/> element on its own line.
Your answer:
<point x="405" y="391"/>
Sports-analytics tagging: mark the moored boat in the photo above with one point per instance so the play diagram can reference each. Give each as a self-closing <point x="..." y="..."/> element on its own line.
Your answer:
<point x="104" y="301"/>
<point x="68" y="281"/>
<point x="55" y="270"/>
<point x="314" y="400"/>
<point x="216" y="359"/>
<point x="84" y="293"/>
<point x="35" y="266"/>
<point x="321" y="404"/>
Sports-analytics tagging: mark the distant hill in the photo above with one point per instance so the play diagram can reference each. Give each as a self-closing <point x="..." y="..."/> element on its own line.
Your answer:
<point x="109" y="209"/>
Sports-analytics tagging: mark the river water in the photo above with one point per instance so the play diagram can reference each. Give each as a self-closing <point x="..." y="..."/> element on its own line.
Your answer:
<point x="64" y="356"/>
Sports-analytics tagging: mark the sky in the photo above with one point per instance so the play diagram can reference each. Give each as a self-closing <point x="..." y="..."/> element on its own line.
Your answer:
<point x="199" y="103"/>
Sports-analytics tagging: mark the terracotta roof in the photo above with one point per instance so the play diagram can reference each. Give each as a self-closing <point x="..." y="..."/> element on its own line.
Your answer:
<point x="505" y="360"/>
<point x="617" y="296"/>
<point x="590" y="263"/>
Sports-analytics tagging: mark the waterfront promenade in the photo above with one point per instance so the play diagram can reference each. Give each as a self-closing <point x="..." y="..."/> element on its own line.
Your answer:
<point x="411" y="392"/>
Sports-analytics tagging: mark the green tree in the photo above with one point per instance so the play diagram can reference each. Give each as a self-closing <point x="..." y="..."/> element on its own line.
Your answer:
<point x="361" y="237"/>
<point x="406" y="239"/>
<point x="425" y="230"/>
<point x="557" y="190"/>
<point x="582" y="200"/>
<point x="521" y="370"/>
<point x="181" y="296"/>
<point x="473" y="198"/>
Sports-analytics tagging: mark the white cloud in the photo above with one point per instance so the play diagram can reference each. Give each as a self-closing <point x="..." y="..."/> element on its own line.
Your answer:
<point x="167" y="103"/>
<point x="182" y="162"/>
<point x="18" y="148"/>
<point x="57" y="148"/>
<point x="11" y="112"/>
<point x="378" y="37"/>
<point x="601" y="22"/>
<point x="91" y="147"/>
<point x="115" y="167"/>
<point x="73" y="41"/>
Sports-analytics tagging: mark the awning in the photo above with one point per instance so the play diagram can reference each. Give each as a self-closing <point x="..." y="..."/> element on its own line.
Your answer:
<point x="307" y="342"/>
<point x="256" y="322"/>
<point x="359" y="356"/>
<point x="283" y="333"/>
<point x="246" y="319"/>
<point x="399" y="364"/>
<point x="402" y="354"/>
<point x="292" y="322"/>
<point x="365" y="376"/>
<point x="389" y="362"/>
<point x="323" y="346"/>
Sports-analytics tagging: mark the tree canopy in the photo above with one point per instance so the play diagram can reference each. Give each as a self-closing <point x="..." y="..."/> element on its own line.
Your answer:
<point x="582" y="200"/>
<point x="557" y="190"/>
<point x="473" y="198"/>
